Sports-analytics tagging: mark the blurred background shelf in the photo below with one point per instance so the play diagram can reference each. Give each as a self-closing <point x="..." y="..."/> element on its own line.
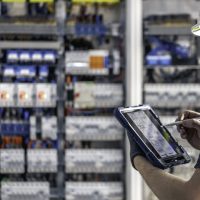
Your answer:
<point x="167" y="30"/>
<point x="30" y="45"/>
<point x="28" y="28"/>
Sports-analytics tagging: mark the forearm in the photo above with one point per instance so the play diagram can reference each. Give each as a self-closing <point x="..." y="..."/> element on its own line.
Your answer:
<point x="164" y="185"/>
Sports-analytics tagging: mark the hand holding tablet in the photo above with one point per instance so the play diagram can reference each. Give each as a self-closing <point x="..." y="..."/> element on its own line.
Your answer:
<point x="151" y="136"/>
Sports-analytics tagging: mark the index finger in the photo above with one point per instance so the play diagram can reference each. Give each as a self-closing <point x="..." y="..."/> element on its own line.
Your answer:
<point x="188" y="114"/>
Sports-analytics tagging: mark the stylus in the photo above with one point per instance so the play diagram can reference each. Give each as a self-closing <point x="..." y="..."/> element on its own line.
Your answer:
<point x="174" y="123"/>
<point x="178" y="122"/>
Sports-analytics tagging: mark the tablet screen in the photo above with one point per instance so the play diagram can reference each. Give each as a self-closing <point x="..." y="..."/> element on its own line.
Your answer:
<point x="152" y="133"/>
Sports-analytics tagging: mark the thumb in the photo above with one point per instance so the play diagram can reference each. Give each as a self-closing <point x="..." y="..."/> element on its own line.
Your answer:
<point x="191" y="123"/>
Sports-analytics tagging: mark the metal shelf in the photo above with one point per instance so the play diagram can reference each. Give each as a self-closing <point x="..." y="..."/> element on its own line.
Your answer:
<point x="167" y="30"/>
<point x="111" y="30"/>
<point x="30" y="45"/>
<point x="172" y="66"/>
<point x="31" y="29"/>
<point x="87" y="71"/>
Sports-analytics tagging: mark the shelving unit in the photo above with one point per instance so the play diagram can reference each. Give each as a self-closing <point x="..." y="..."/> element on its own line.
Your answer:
<point x="175" y="85"/>
<point x="22" y="40"/>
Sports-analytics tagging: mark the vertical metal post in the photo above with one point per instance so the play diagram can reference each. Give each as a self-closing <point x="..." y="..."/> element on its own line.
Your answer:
<point x="134" y="82"/>
<point x="61" y="17"/>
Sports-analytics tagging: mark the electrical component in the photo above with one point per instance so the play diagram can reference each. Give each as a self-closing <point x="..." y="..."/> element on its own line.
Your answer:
<point x="93" y="160"/>
<point x="25" y="93"/>
<point x="24" y="56"/>
<point x="93" y="190"/>
<point x="33" y="128"/>
<point x="87" y="62"/>
<point x="8" y="71"/>
<point x="172" y="95"/>
<point x="14" y="128"/>
<point x="93" y="128"/>
<point x="20" y="72"/>
<point x="164" y="52"/>
<point x="7" y="93"/>
<point x="27" y="56"/>
<point x="12" y="56"/>
<point x="46" y="95"/>
<point x="25" y="190"/>
<point x="44" y="71"/>
<point x="90" y="29"/>
<point x="42" y="160"/>
<point x="91" y="95"/>
<point x="49" y="56"/>
<point x="12" y="161"/>
<point x="25" y="71"/>
<point x="36" y="56"/>
<point x="48" y="127"/>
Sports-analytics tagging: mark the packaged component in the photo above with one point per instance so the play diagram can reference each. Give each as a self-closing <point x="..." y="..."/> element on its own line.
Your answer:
<point x="87" y="62"/>
<point x="94" y="190"/>
<point x="25" y="94"/>
<point x="93" y="161"/>
<point x="25" y="190"/>
<point x="49" y="127"/>
<point x="172" y="95"/>
<point x="45" y="95"/>
<point x="42" y="160"/>
<point x="91" y="95"/>
<point x="12" y="161"/>
<point x="7" y="95"/>
<point x="93" y="128"/>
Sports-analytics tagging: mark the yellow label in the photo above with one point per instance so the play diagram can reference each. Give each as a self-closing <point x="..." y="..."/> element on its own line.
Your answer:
<point x="41" y="1"/>
<point x="31" y="1"/>
<point x="96" y="1"/>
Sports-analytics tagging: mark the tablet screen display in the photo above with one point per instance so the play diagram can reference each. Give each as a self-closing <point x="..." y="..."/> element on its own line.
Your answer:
<point x="156" y="137"/>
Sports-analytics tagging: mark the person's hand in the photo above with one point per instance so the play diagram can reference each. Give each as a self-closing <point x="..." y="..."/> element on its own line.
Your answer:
<point x="190" y="129"/>
<point x="135" y="150"/>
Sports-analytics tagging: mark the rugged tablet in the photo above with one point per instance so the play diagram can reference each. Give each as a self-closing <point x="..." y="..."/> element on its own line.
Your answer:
<point x="154" y="139"/>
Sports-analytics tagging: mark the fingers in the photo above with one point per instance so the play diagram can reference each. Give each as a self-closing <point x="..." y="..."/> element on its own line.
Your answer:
<point x="188" y="114"/>
<point x="192" y="123"/>
<point x="183" y="133"/>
